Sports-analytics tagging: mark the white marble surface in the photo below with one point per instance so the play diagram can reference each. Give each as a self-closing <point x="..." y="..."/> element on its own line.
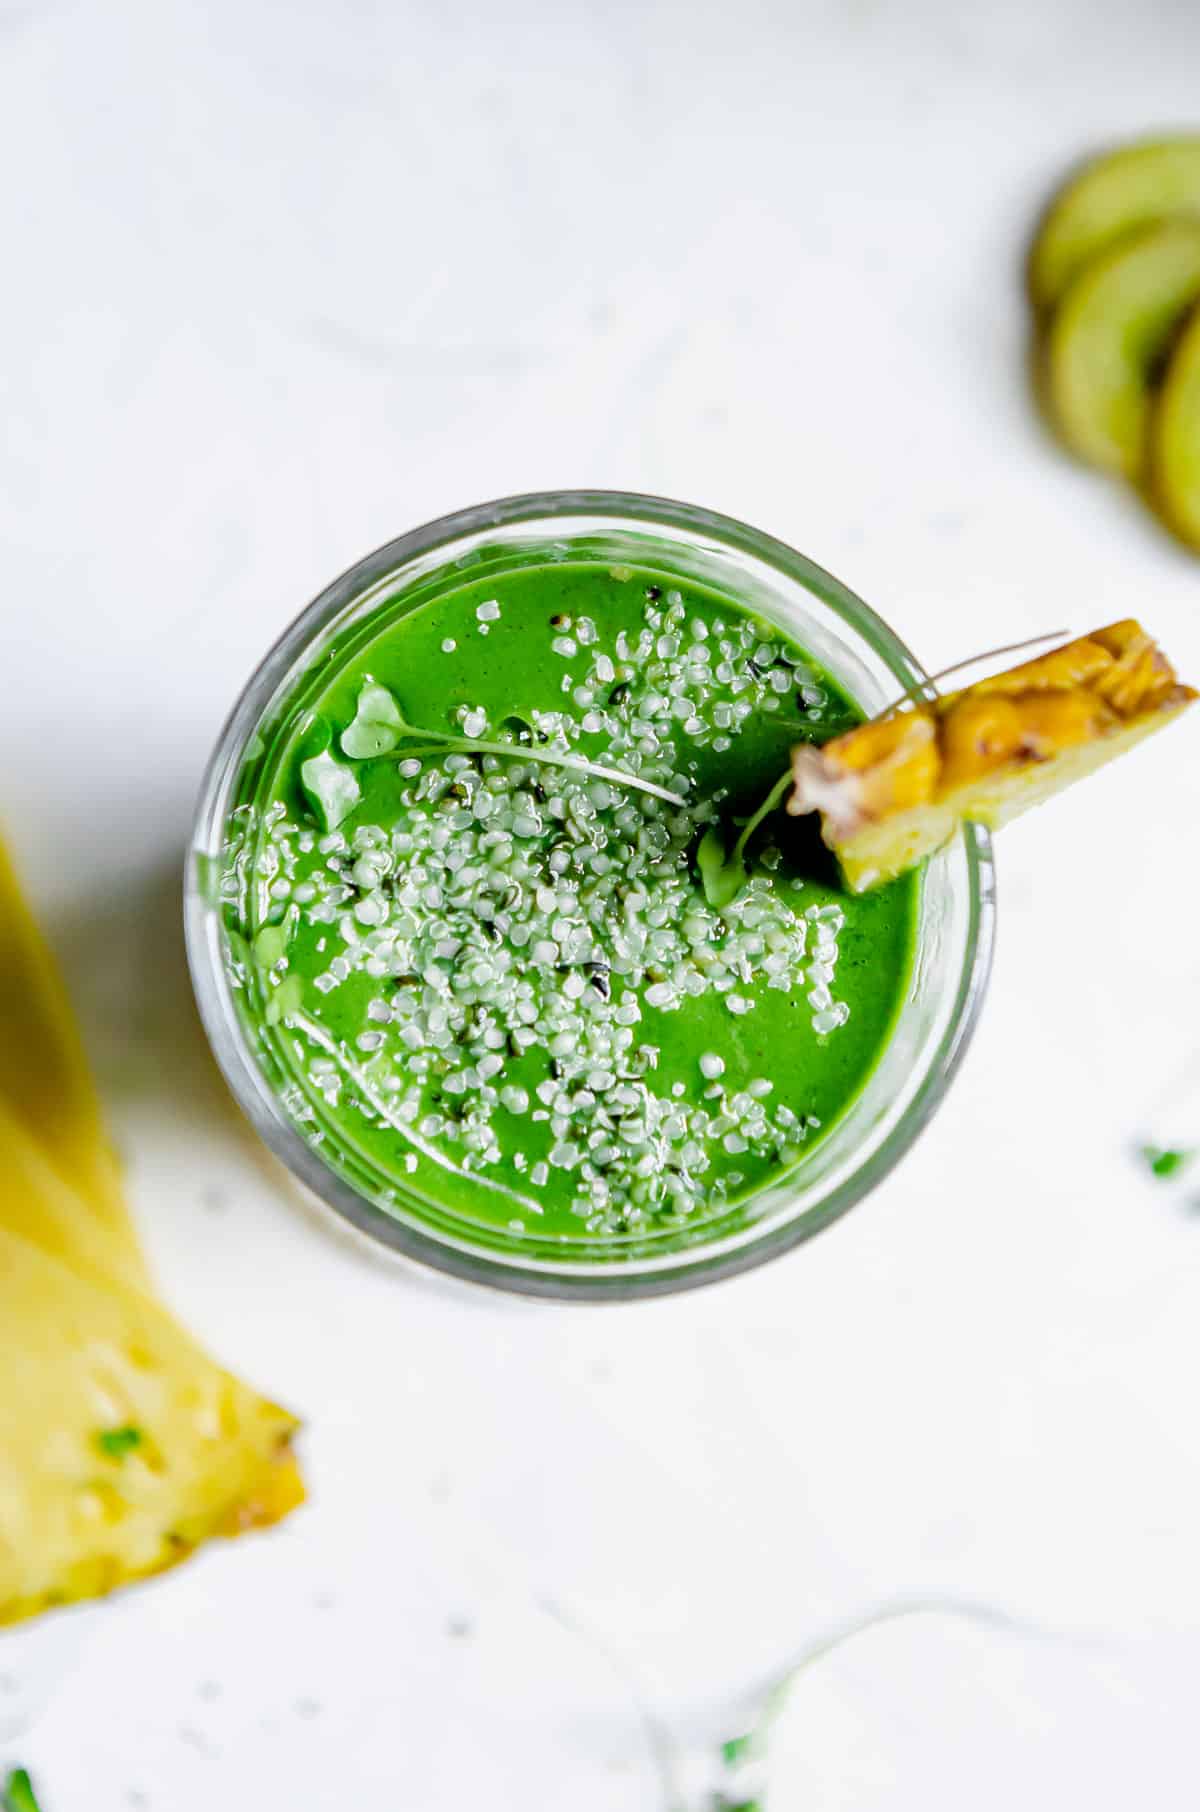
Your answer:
<point x="283" y="280"/>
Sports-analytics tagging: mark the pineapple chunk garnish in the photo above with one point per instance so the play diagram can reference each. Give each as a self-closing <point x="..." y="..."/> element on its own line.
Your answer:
<point x="122" y="1445"/>
<point x="893" y="790"/>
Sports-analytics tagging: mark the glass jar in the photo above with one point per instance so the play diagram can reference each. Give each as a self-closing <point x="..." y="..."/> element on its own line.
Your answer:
<point x="955" y="914"/>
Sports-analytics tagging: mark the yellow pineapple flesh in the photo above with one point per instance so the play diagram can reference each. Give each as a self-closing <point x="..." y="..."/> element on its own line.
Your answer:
<point x="44" y="1074"/>
<point x="893" y="790"/>
<point x="122" y="1445"/>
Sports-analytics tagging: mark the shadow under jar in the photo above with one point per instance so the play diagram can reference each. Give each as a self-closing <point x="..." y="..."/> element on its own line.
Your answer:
<point x="449" y="932"/>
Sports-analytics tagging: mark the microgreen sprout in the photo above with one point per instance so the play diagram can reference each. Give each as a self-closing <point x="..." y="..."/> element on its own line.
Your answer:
<point x="332" y="788"/>
<point x="380" y="729"/>
<point x="723" y="876"/>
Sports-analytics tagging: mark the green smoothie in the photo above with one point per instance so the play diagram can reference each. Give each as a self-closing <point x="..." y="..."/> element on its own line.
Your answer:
<point x="479" y="923"/>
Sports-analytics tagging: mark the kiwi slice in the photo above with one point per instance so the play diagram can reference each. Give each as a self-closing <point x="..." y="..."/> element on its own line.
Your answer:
<point x="1110" y="339"/>
<point x="1175" y="437"/>
<point x="1130" y="187"/>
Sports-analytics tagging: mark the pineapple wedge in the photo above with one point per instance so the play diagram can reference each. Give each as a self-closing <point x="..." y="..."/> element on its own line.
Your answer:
<point x="44" y="1074"/>
<point x="122" y="1446"/>
<point x="893" y="790"/>
<point x="36" y="1203"/>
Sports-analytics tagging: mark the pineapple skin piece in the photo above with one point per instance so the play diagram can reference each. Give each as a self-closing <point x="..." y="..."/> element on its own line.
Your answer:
<point x="85" y="1352"/>
<point x="892" y="791"/>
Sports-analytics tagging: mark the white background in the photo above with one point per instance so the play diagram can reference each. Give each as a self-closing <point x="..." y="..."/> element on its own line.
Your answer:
<point x="283" y="280"/>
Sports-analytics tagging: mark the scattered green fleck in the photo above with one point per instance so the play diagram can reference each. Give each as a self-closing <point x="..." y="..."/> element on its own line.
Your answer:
<point x="270" y="949"/>
<point x="115" y="1443"/>
<point x="332" y="788"/>
<point x="19" y="1795"/>
<point x="378" y="724"/>
<point x="270" y="946"/>
<point x="286" y="999"/>
<point x="1164" y="1162"/>
<point x="736" y="1752"/>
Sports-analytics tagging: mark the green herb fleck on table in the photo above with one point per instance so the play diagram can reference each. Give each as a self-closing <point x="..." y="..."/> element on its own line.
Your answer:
<point x="1164" y="1162"/>
<point x="115" y="1443"/>
<point x="735" y="1750"/>
<point x="19" y="1795"/>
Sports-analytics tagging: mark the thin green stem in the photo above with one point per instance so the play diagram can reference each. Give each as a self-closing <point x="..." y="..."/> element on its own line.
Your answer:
<point x="435" y="742"/>
<point x="772" y="801"/>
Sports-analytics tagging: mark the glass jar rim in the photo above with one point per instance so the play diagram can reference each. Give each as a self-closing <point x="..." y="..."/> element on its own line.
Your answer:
<point x="574" y="1279"/>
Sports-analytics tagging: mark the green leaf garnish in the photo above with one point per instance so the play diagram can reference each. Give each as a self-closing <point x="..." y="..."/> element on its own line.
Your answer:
<point x="332" y="788"/>
<point x="1165" y="1162"/>
<point x="115" y="1443"/>
<point x="721" y="876"/>
<point x="19" y="1795"/>
<point x="378" y="724"/>
<point x="315" y="738"/>
<point x="270" y="946"/>
<point x="285" y="1000"/>
<point x="271" y="943"/>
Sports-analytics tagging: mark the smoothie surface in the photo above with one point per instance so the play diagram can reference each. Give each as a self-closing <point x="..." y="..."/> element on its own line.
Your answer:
<point x="492" y="987"/>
